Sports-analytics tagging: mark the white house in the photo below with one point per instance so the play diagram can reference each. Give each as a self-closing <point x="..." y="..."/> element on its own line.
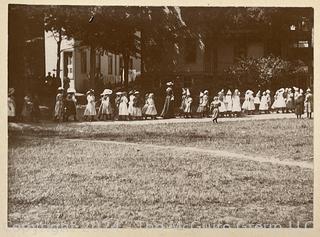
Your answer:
<point x="75" y="64"/>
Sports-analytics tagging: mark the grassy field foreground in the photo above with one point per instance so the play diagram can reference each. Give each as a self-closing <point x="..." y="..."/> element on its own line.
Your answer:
<point x="73" y="183"/>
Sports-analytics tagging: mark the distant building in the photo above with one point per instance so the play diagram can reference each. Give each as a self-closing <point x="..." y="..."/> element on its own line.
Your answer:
<point x="75" y="64"/>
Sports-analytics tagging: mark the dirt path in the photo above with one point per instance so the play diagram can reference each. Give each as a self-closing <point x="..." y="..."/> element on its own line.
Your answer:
<point x="221" y="153"/>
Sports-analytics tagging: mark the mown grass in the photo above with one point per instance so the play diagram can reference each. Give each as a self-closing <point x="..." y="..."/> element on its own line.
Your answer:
<point x="85" y="184"/>
<point x="289" y="139"/>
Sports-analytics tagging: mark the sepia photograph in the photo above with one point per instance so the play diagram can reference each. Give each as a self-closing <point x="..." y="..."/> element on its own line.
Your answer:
<point x="166" y="117"/>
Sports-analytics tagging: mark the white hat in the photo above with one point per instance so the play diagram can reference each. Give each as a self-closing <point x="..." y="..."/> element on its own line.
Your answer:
<point x="201" y="94"/>
<point x="119" y="93"/>
<point x="60" y="88"/>
<point x="106" y="92"/>
<point x="71" y="90"/>
<point x="229" y="92"/>
<point x="267" y="91"/>
<point x="301" y="91"/>
<point x="205" y="92"/>
<point x="296" y="88"/>
<point x="308" y="90"/>
<point x="170" y="83"/>
<point x="136" y="93"/>
<point x="188" y="92"/>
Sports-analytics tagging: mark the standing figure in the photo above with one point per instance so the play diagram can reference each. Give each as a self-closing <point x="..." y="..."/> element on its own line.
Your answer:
<point x="187" y="109"/>
<point x="289" y="101"/>
<point x="309" y="103"/>
<point x="168" y="107"/>
<point x="268" y="100"/>
<point x="205" y="104"/>
<point x="263" y="107"/>
<point x="27" y="109"/>
<point x="117" y="104"/>
<point x="137" y="112"/>
<point x="246" y="106"/>
<point x="35" y="109"/>
<point x="222" y="107"/>
<point x="228" y="103"/>
<point x="70" y="105"/>
<point x="90" y="111"/>
<point x="279" y="102"/>
<point x="214" y="108"/>
<point x="257" y="102"/>
<point x="200" y="107"/>
<point x="123" y="107"/>
<point x="145" y="106"/>
<point x="11" y="105"/>
<point x="105" y="107"/>
<point x="183" y="102"/>
<point x="130" y="104"/>
<point x="299" y="108"/>
<point x="151" y="110"/>
<point x="236" y="107"/>
<point x="58" y="109"/>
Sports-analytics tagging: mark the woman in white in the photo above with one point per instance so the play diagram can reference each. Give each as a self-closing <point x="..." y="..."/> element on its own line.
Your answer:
<point x="222" y="108"/>
<point x="151" y="109"/>
<point x="228" y="103"/>
<point x="251" y="102"/>
<point x="263" y="107"/>
<point x="123" y="107"/>
<point x="130" y="106"/>
<point x="236" y="107"/>
<point x="257" y="102"/>
<point x="279" y="103"/>
<point x="187" y="109"/>
<point x="90" y="110"/>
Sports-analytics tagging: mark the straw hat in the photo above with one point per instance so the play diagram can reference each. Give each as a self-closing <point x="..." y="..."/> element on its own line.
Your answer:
<point x="106" y="92"/>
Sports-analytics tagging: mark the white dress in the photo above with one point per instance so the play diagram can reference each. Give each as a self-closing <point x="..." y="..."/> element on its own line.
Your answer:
<point x="228" y="103"/>
<point x="280" y="101"/>
<point x="106" y="106"/>
<point x="123" y="108"/>
<point x="257" y="100"/>
<point x="251" y="103"/>
<point x="130" y="107"/>
<point x="263" y="103"/>
<point x="245" y="105"/>
<point x="91" y="106"/>
<point x="236" y="107"/>
<point x="151" y="109"/>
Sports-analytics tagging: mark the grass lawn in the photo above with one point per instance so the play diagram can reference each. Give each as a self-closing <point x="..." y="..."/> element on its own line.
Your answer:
<point x="81" y="184"/>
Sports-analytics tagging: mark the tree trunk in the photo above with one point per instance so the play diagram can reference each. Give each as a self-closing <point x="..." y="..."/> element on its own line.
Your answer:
<point x="92" y="67"/>
<point x="126" y="59"/>
<point x="59" y="54"/>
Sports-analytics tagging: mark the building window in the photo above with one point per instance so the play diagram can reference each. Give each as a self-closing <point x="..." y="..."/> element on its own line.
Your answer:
<point x="190" y="51"/>
<point x="83" y="61"/>
<point x="110" y="64"/>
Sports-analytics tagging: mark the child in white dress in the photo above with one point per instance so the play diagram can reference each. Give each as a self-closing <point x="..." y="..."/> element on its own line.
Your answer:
<point x="90" y="110"/>
<point x="222" y="107"/>
<point x="105" y="107"/>
<point x="123" y="107"/>
<point x="236" y="107"/>
<point x="256" y="102"/>
<point x="263" y="107"/>
<point x="188" y="101"/>
<point x="228" y="103"/>
<point x="130" y="104"/>
<point x="151" y="110"/>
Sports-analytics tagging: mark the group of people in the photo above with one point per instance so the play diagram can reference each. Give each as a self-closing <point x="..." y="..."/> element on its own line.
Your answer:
<point x="133" y="106"/>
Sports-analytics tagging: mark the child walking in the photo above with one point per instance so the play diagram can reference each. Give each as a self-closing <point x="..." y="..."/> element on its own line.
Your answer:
<point x="90" y="111"/>
<point x="105" y="107"/>
<point x="214" y="107"/>
<point x="58" y="109"/>
<point x="151" y="110"/>
<point x="309" y="103"/>
<point x="123" y="107"/>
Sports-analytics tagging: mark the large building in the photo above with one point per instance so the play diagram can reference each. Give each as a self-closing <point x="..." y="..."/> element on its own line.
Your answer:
<point x="75" y="64"/>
